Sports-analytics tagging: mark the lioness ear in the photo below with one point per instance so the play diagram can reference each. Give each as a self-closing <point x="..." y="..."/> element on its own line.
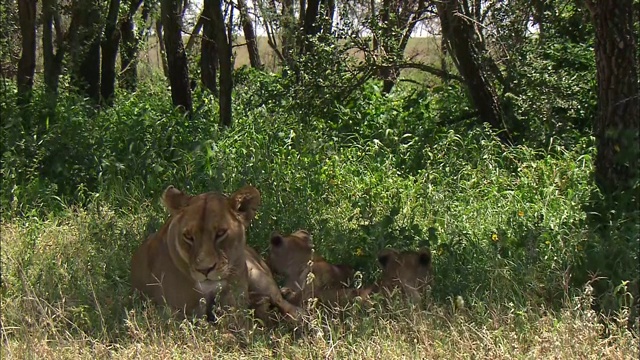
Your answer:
<point x="385" y="255"/>
<point x="245" y="202"/>
<point x="174" y="199"/>
<point x="276" y="239"/>
<point x="424" y="256"/>
<point x="304" y="234"/>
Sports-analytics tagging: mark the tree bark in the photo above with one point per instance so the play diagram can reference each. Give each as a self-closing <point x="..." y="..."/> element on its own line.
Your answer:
<point x="130" y="44"/>
<point x="53" y="55"/>
<point x="330" y="11"/>
<point x="162" y="53"/>
<point x="249" y="35"/>
<point x="176" y="57"/>
<point x="388" y="74"/>
<point x="617" y="123"/>
<point x="310" y="27"/>
<point x="209" y="50"/>
<point x="224" y="56"/>
<point x="110" y="45"/>
<point x="85" y="49"/>
<point x="288" y="32"/>
<point x="460" y="35"/>
<point x="27" y="62"/>
<point x="194" y="33"/>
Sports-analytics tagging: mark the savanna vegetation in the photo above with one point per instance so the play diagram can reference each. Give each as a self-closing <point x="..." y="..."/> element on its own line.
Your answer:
<point x="505" y="138"/>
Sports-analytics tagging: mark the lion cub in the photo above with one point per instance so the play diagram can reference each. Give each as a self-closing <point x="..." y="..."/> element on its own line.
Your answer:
<point x="292" y="256"/>
<point x="410" y="272"/>
<point x="406" y="272"/>
<point x="264" y="291"/>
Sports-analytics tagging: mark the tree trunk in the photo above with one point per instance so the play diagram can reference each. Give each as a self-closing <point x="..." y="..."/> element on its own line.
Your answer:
<point x="614" y="215"/>
<point x="330" y="11"/>
<point x="249" y="35"/>
<point x="209" y="50"/>
<point x="90" y="70"/>
<point x="224" y="56"/>
<point x="461" y="39"/>
<point x="176" y="57"/>
<point x="52" y="60"/>
<point x="443" y="60"/>
<point x="310" y="27"/>
<point x="194" y="33"/>
<point x="85" y="50"/>
<point x="288" y="32"/>
<point x="109" y="53"/>
<point x="388" y="74"/>
<point x="130" y="44"/>
<point x="162" y="53"/>
<point x="27" y="62"/>
<point x="617" y="124"/>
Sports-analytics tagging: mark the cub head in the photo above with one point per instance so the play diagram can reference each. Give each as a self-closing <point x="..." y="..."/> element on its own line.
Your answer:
<point x="288" y="254"/>
<point x="408" y="271"/>
<point x="206" y="234"/>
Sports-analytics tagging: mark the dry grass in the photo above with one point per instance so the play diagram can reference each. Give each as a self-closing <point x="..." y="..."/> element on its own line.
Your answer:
<point x="432" y="334"/>
<point x="65" y="294"/>
<point x="419" y="49"/>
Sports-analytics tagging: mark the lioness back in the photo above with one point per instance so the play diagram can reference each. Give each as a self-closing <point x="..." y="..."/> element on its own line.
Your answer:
<point x="199" y="253"/>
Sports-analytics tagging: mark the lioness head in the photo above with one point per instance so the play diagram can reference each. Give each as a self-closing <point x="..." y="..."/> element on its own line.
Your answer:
<point x="408" y="271"/>
<point x="207" y="233"/>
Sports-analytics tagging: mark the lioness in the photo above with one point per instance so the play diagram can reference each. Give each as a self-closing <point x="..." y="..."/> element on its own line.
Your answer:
<point x="290" y="256"/>
<point x="199" y="253"/>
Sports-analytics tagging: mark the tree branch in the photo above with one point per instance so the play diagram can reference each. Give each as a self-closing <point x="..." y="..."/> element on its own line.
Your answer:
<point x="426" y="68"/>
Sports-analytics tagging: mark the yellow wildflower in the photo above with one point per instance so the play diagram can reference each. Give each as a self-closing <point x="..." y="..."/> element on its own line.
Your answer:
<point x="521" y="213"/>
<point x="494" y="237"/>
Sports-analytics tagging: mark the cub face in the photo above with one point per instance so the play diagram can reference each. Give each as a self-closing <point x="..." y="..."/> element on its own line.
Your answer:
<point x="407" y="271"/>
<point x="290" y="254"/>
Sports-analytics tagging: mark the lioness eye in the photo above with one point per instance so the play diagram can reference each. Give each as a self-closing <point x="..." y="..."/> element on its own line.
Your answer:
<point x="188" y="238"/>
<point x="221" y="233"/>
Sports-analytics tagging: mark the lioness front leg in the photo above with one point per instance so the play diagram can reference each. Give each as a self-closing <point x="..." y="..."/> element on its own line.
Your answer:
<point x="233" y="304"/>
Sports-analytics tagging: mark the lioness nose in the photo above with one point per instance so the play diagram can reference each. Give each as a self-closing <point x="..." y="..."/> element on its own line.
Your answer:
<point x="206" y="271"/>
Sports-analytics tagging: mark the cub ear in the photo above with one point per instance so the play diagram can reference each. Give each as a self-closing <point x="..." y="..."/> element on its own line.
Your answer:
<point x="424" y="256"/>
<point x="385" y="255"/>
<point x="245" y="202"/>
<point x="174" y="199"/>
<point x="276" y="239"/>
<point x="304" y="234"/>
